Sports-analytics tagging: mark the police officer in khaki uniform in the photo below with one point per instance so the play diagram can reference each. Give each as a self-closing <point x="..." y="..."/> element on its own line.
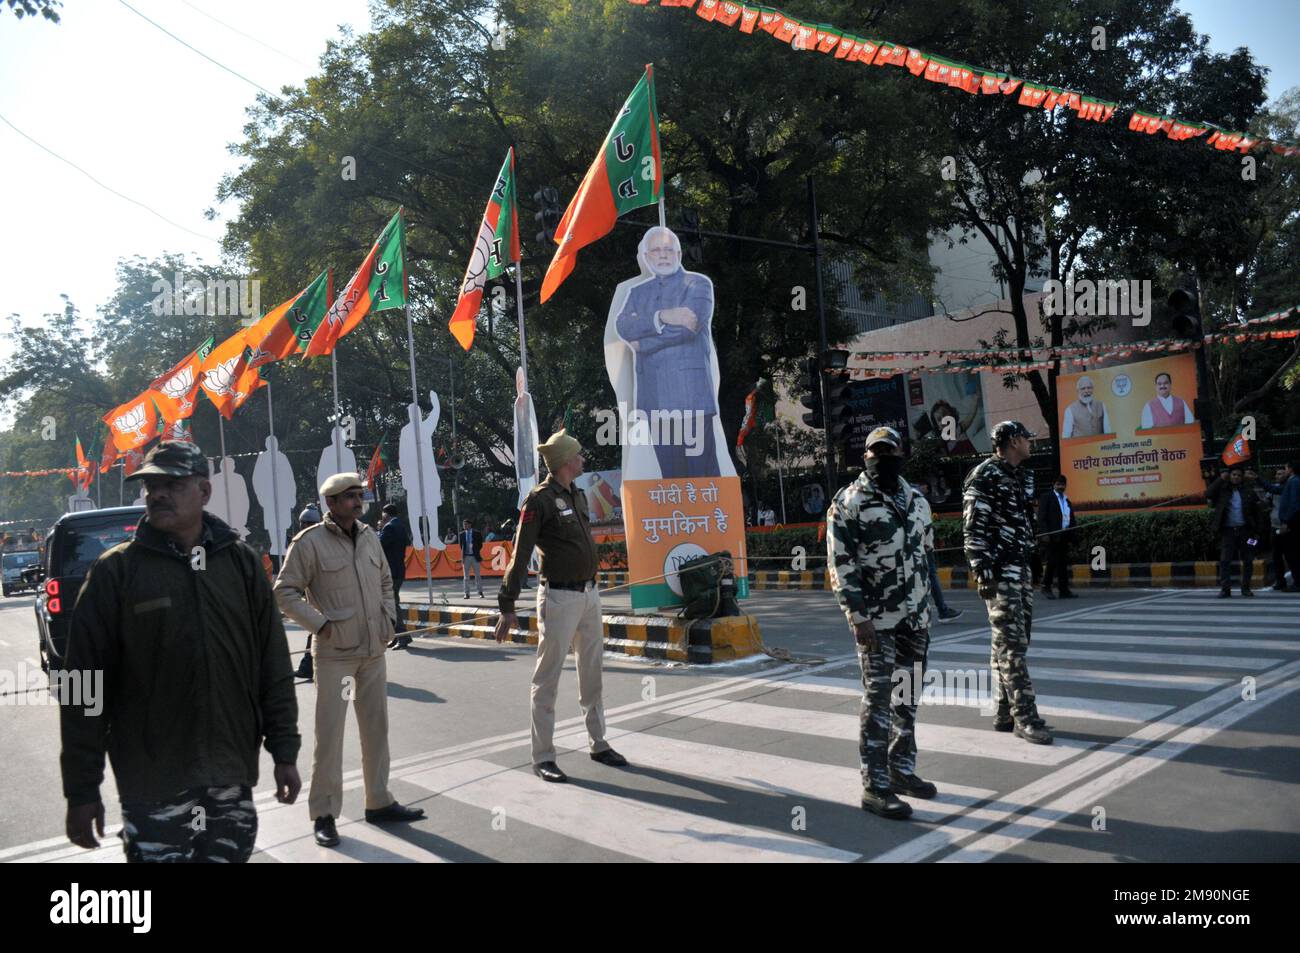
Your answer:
<point x="335" y="583"/>
<point x="554" y="519"/>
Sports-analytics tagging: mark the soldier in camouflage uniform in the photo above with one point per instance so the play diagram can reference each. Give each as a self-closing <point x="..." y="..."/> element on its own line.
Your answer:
<point x="997" y="505"/>
<point x="876" y="549"/>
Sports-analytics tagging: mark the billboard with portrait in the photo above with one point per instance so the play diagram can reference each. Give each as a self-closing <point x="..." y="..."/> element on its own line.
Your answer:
<point x="1129" y="435"/>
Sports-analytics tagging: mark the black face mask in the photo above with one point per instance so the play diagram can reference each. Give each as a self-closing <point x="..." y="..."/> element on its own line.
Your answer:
<point x="884" y="471"/>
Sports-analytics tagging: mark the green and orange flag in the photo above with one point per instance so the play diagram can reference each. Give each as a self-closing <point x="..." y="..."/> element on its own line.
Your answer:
<point x="134" y="423"/>
<point x="626" y="175"/>
<point x="85" y="471"/>
<point x="289" y="326"/>
<point x="378" y="285"/>
<point x="175" y="392"/>
<point x="226" y="377"/>
<point x="496" y="248"/>
<point x="379" y="462"/>
<point x="1237" y="450"/>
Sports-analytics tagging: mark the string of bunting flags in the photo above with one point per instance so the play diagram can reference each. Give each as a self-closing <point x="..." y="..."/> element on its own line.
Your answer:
<point x="1011" y="359"/>
<point x="750" y="18"/>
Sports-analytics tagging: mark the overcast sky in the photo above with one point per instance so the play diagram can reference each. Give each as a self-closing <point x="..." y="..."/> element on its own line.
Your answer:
<point x="152" y="119"/>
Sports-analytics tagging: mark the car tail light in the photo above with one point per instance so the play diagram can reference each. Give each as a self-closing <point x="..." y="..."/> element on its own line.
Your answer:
<point x="52" y="587"/>
<point x="54" y="606"/>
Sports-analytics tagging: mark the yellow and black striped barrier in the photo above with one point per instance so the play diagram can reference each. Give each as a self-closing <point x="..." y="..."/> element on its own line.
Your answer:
<point x="698" y="641"/>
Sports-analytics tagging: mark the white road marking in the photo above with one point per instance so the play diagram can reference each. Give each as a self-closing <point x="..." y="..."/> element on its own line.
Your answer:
<point x="1083" y="797"/>
<point x="623" y="824"/>
<point x="1250" y="663"/>
<point x="927" y="845"/>
<point x="974" y="742"/>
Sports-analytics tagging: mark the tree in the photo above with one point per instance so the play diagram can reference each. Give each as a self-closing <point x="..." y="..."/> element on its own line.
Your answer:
<point x="1066" y="198"/>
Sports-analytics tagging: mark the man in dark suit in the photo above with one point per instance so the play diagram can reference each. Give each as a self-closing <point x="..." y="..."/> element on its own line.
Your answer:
<point x="1055" y="515"/>
<point x="471" y="554"/>
<point x="667" y="321"/>
<point x="394" y="537"/>
<point x="1240" y="520"/>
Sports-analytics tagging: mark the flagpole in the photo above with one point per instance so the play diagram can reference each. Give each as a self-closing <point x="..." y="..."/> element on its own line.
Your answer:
<point x="519" y="307"/>
<point x="780" y="469"/>
<point x="278" y="540"/>
<point x="338" y="450"/>
<point x="225" y="484"/>
<point x="419" y="459"/>
<point x="121" y="484"/>
<point x="663" y="218"/>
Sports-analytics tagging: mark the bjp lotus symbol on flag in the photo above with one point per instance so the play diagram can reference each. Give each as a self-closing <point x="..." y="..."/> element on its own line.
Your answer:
<point x="133" y="421"/>
<point x="179" y="387"/>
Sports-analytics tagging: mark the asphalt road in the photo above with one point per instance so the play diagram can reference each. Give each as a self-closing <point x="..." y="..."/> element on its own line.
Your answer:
<point x="1158" y="756"/>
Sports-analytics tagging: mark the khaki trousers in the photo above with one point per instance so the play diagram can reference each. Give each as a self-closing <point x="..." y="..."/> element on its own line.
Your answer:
<point x="367" y="686"/>
<point x="567" y="618"/>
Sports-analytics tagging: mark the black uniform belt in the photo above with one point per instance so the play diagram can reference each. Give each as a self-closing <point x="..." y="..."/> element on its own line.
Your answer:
<point x="571" y="586"/>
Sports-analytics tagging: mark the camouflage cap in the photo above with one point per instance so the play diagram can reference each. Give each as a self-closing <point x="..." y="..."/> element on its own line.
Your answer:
<point x="175" y="458"/>
<point x="1010" y="429"/>
<point x="885" y="435"/>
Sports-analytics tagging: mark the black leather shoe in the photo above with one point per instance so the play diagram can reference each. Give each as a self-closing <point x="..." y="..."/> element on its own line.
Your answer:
<point x="1069" y="595"/>
<point x="912" y="786"/>
<point x="885" y="804"/>
<point x="1225" y="594"/>
<point x="1048" y="594"/>
<point x="400" y="642"/>
<point x="1034" y="732"/>
<point x="395" y="814"/>
<point x="550" y="771"/>
<point x="1248" y="592"/>
<point x="327" y="834"/>
<point x="610" y="758"/>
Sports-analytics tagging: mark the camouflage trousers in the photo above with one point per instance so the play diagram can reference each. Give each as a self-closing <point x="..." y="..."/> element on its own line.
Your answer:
<point x="887" y="717"/>
<point x="1011" y="613"/>
<point x="197" y="826"/>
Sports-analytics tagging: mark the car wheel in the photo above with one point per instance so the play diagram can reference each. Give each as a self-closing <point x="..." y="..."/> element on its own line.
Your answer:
<point x="6" y="591"/>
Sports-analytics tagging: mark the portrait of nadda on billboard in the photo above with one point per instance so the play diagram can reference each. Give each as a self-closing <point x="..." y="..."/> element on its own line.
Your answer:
<point x="662" y="364"/>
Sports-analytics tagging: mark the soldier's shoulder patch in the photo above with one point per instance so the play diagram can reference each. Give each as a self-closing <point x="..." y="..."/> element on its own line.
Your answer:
<point x="529" y="512"/>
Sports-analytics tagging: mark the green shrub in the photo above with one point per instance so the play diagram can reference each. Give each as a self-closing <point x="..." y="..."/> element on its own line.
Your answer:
<point x="1153" y="537"/>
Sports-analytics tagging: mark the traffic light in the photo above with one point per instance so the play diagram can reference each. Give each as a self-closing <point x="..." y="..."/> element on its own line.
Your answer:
<point x="692" y="249"/>
<point x="548" y="201"/>
<point x="812" y="399"/>
<point x="838" y="388"/>
<point x="1185" y="313"/>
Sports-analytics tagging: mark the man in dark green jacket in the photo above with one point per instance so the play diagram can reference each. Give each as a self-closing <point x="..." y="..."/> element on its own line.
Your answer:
<point x="182" y="625"/>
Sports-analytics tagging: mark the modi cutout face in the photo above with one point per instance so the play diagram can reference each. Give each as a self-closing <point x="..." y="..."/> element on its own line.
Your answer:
<point x="1084" y="386"/>
<point x="1164" y="385"/>
<point x="662" y="251"/>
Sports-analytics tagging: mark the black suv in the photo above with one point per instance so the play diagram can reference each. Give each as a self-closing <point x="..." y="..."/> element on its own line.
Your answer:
<point x="72" y="544"/>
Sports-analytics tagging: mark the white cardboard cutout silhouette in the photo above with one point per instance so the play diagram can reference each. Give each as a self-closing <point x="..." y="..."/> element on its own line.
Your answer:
<point x="640" y="461"/>
<point x="408" y="449"/>
<point x="223" y="476"/>
<point x="326" y="468"/>
<point x="272" y="490"/>
<point x="526" y="452"/>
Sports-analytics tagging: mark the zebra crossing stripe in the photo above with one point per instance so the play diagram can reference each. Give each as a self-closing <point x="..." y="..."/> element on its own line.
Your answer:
<point x="626" y="825"/>
<point x="945" y="739"/>
<point x="1250" y="663"/>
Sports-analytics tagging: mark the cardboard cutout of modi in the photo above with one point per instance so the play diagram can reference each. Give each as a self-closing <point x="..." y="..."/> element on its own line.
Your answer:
<point x="681" y="495"/>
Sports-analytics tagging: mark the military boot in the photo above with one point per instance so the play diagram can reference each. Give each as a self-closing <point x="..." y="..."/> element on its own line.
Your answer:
<point x="885" y="804"/>
<point x="1035" y="732"/>
<point x="911" y="785"/>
